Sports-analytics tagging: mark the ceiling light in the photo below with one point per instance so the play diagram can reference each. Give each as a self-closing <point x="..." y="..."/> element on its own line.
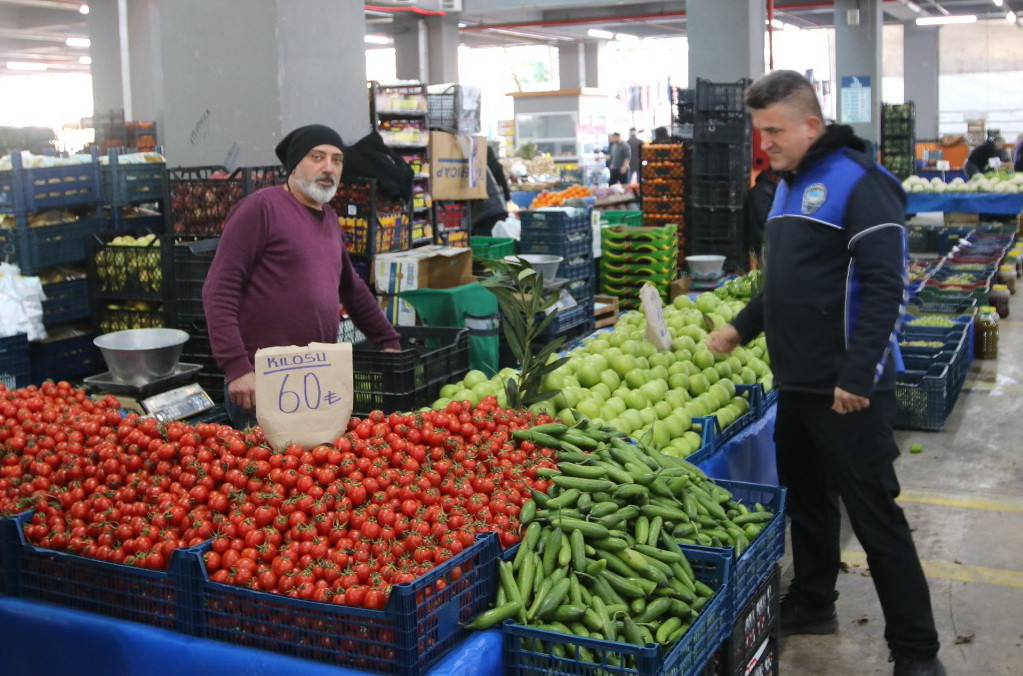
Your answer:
<point x="626" y="37"/>
<point x="1010" y="16"/>
<point x="597" y="33"/>
<point x="25" y="65"/>
<point x="780" y="25"/>
<point x="377" y="39"/>
<point x="942" y="20"/>
<point x="85" y="60"/>
<point x="998" y="3"/>
<point x="83" y="9"/>
<point x="78" y="42"/>
<point x="912" y="6"/>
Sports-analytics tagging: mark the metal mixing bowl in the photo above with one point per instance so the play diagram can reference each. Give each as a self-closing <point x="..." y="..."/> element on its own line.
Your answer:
<point x="545" y="264"/>
<point x="705" y="266"/>
<point x="140" y="356"/>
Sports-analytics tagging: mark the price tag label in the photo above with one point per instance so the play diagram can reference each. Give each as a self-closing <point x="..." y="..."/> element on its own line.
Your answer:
<point x="656" y="328"/>
<point x="994" y="162"/>
<point x="942" y="165"/>
<point x="304" y="395"/>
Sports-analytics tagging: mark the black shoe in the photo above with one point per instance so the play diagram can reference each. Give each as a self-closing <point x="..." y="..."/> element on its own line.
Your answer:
<point x="907" y="666"/>
<point x="798" y="619"/>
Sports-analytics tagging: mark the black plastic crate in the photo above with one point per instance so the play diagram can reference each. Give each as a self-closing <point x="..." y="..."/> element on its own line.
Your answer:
<point x="422" y="621"/>
<point x="255" y="178"/>
<point x="15" y="368"/>
<point x="658" y="187"/>
<point x="109" y="317"/>
<point x="717" y="192"/>
<point x="412" y="377"/>
<point x="715" y="223"/>
<point x="923" y="398"/>
<point x="732" y="128"/>
<point x="720" y="96"/>
<point x="202" y="197"/>
<point x="196" y="349"/>
<point x="65" y="358"/>
<point x="66" y="300"/>
<point x="733" y="251"/>
<point x="454" y="109"/>
<point x="721" y="160"/>
<point x="189" y="261"/>
<point x="127" y="271"/>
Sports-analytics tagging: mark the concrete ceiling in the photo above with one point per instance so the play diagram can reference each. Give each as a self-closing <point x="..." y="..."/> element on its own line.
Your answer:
<point x="36" y="31"/>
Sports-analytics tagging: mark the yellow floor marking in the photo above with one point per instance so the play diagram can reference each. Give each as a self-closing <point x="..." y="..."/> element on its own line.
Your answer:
<point x="994" y="504"/>
<point x="982" y="385"/>
<point x="945" y="570"/>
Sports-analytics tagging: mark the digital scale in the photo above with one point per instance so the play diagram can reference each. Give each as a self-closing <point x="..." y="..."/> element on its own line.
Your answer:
<point x="705" y="283"/>
<point x="175" y="396"/>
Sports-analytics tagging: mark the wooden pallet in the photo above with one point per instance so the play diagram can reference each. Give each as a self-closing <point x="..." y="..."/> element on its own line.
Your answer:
<point x="605" y="310"/>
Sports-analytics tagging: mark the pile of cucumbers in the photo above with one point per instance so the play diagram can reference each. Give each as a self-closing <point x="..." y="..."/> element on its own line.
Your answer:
<point x="600" y="554"/>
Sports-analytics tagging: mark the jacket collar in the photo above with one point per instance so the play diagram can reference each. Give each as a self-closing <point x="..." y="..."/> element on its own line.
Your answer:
<point x="835" y="137"/>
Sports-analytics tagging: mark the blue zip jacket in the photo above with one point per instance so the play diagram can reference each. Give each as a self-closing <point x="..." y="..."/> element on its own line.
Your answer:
<point x="834" y="273"/>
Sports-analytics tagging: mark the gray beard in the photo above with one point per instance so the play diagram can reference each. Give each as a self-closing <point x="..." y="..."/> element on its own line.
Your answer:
<point x="316" y="192"/>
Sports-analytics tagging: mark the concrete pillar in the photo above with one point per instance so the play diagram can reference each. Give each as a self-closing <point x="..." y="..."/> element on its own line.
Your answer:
<point x="105" y="51"/>
<point x="858" y="25"/>
<point x="228" y="97"/>
<point x="921" y="59"/>
<point x="726" y="39"/>
<point x="579" y="63"/>
<point x="410" y="48"/>
<point x="426" y="48"/>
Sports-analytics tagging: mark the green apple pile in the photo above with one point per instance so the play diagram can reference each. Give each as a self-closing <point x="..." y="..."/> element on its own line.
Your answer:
<point x="619" y="378"/>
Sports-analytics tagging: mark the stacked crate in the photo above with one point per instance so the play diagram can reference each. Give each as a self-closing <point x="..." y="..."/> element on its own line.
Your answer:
<point x="719" y="172"/>
<point x="569" y="235"/>
<point x="663" y="178"/>
<point x="898" y="138"/>
<point x="187" y="259"/>
<point x="632" y="255"/>
<point x="453" y="108"/>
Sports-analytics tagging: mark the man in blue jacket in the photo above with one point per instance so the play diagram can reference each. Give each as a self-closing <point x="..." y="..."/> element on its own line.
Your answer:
<point x="834" y="279"/>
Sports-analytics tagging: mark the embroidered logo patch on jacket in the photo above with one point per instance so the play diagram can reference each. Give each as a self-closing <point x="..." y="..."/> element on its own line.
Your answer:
<point x="813" y="197"/>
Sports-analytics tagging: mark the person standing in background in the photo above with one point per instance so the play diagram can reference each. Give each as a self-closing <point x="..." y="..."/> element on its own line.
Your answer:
<point x="1017" y="154"/>
<point x="619" y="160"/>
<point x="977" y="161"/>
<point x="635" y="153"/>
<point x="281" y="271"/>
<point x="755" y="209"/>
<point x="831" y="301"/>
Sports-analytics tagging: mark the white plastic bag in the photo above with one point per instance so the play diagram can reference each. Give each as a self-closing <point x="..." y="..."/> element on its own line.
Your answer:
<point x="21" y="303"/>
<point x="509" y="227"/>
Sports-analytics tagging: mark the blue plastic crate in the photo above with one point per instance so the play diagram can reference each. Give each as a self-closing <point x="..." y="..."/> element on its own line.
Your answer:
<point x="66" y="359"/>
<point x="131" y="183"/>
<point x="924" y="398"/>
<point x="24" y="190"/>
<point x="569" y="319"/>
<point x="582" y="289"/>
<point x="421" y="622"/>
<point x="153" y="597"/>
<point x="577" y="243"/>
<point x="46" y="245"/>
<point x="573" y="269"/>
<point x="15" y="369"/>
<point x="925" y="332"/>
<point x="528" y="650"/>
<point x="66" y="301"/>
<point x="553" y="225"/>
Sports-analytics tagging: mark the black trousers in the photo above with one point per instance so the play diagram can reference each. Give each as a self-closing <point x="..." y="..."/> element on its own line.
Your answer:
<point x="824" y="456"/>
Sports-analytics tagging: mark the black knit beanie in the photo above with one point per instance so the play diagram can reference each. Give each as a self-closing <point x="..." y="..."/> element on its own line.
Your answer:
<point x="295" y="145"/>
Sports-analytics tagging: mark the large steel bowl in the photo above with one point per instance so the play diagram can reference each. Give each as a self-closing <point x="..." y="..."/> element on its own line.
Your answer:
<point x="141" y="356"/>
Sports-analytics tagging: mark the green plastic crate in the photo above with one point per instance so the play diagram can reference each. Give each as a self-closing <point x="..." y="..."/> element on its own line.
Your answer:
<point x="491" y="247"/>
<point x="622" y="217"/>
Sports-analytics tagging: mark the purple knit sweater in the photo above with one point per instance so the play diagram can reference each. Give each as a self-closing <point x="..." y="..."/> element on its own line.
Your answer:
<point x="278" y="277"/>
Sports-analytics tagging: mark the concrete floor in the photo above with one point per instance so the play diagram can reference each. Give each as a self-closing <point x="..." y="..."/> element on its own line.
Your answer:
<point x="963" y="496"/>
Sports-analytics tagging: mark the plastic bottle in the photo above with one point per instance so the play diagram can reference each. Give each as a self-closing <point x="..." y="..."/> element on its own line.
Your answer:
<point x="1007" y="276"/>
<point x="986" y="334"/>
<point x="999" y="298"/>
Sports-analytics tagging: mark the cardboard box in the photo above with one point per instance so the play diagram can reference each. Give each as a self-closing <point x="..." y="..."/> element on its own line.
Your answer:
<point x="428" y="267"/>
<point x="678" y="287"/>
<point x="397" y="310"/>
<point x="458" y="166"/>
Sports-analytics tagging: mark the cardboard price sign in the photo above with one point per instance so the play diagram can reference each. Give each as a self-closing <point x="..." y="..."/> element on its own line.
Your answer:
<point x="656" y="328"/>
<point x="304" y="395"/>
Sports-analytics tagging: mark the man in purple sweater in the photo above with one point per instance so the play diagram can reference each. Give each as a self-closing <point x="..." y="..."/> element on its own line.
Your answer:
<point x="281" y="270"/>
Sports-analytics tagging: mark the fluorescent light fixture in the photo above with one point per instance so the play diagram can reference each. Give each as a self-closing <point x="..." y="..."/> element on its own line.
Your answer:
<point x="780" y="25"/>
<point x="78" y="42"/>
<point x="943" y="20"/>
<point x="377" y="39"/>
<point x="912" y="6"/>
<point x="626" y="37"/>
<point x="85" y="60"/>
<point x="25" y="65"/>
<point x="83" y="9"/>
<point x="597" y="33"/>
<point x="1010" y="16"/>
<point x="998" y="3"/>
